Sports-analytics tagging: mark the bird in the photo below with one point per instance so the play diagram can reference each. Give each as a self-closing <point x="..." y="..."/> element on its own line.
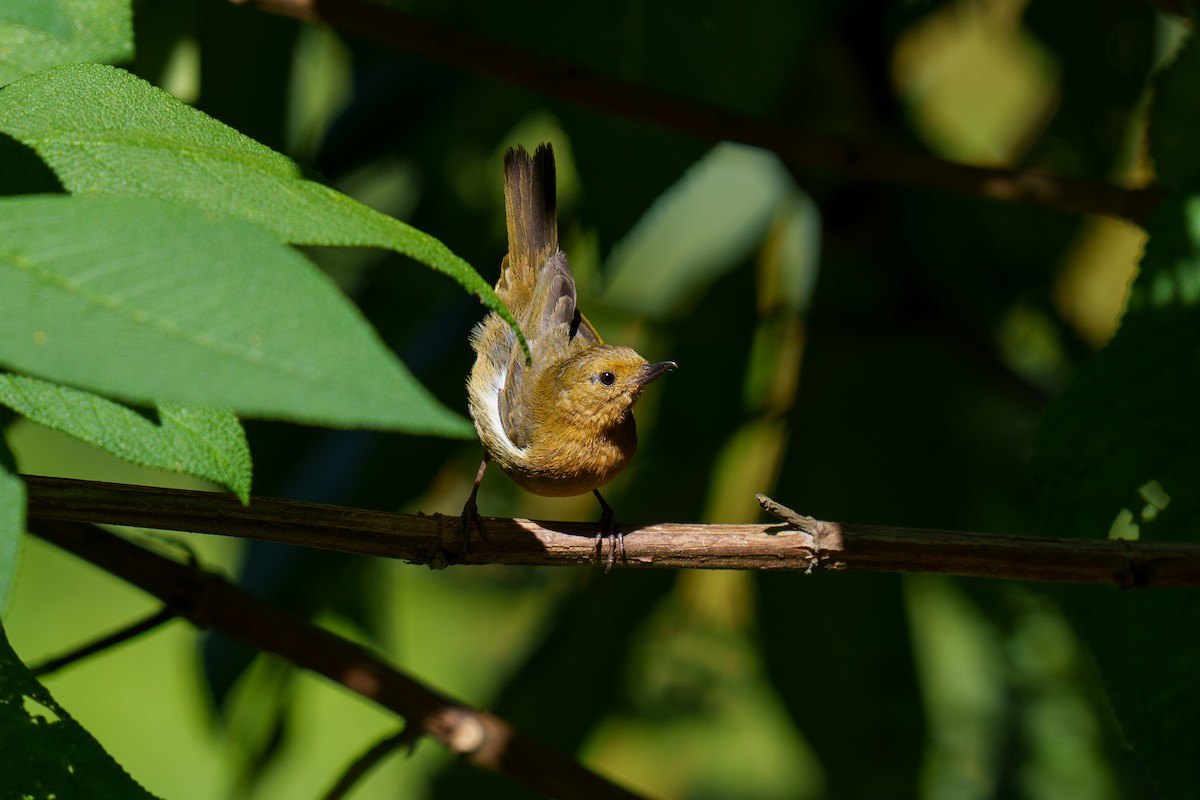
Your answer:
<point x="560" y="422"/>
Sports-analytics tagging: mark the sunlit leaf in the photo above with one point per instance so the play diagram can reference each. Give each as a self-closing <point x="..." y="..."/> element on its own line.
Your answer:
<point x="105" y="131"/>
<point x="12" y="521"/>
<point x="198" y="440"/>
<point x="152" y="302"/>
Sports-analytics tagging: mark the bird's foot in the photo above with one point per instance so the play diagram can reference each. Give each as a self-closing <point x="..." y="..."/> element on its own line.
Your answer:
<point x="469" y="519"/>
<point x="610" y="535"/>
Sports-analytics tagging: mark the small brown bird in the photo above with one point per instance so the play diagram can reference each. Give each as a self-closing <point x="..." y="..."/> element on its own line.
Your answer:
<point x="563" y="423"/>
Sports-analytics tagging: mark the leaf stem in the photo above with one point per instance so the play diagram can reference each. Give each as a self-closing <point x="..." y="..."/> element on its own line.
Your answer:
<point x="367" y="761"/>
<point x="104" y="643"/>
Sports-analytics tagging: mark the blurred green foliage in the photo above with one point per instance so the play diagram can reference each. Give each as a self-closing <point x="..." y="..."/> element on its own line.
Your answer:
<point x="40" y="35"/>
<point x="862" y="352"/>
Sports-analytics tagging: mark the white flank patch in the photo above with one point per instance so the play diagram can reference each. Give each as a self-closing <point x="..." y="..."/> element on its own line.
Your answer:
<point x="491" y="407"/>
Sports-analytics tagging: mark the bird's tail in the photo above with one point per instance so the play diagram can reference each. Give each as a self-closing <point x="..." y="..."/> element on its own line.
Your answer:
<point x="529" y="205"/>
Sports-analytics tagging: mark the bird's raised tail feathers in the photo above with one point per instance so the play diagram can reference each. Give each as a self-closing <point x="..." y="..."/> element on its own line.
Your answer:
<point x="529" y="205"/>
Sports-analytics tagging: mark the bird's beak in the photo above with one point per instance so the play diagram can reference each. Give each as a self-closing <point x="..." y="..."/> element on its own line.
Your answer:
<point x="652" y="371"/>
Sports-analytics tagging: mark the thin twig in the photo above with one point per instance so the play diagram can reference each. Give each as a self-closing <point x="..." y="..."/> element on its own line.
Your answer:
<point x="566" y="81"/>
<point x="210" y="601"/>
<point x="367" y="761"/>
<point x="112" y="640"/>
<point x="801" y="543"/>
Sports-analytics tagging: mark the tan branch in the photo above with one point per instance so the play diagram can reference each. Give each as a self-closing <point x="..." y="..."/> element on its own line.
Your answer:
<point x="799" y="543"/>
<point x="565" y="81"/>
<point x="211" y="602"/>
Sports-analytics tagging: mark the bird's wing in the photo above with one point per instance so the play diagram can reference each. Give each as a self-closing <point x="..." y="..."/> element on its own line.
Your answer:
<point x="554" y="328"/>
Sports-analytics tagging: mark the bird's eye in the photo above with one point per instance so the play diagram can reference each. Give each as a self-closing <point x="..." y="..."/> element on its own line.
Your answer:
<point x="607" y="378"/>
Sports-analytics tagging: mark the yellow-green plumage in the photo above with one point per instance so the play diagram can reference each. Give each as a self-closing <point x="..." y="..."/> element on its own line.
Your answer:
<point x="563" y="423"/>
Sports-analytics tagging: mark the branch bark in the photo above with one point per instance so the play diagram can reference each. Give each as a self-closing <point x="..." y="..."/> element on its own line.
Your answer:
<point x="565" y="81"/>
<point x="210" y="601"/>
<point x="796" y="543"/>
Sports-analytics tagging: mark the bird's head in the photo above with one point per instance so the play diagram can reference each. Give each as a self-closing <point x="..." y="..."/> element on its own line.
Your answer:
<point x="595" y="388"/>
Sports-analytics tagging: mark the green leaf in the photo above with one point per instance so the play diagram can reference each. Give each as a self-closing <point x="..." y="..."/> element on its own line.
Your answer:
<point x="1148" y="665"/>
<point x="151" y="302"/>
<point x="36" y="34"/>
<point x="12" y="521"/>
<point x="46" y="753"/>
<point x="206" y="442"/>
<point x="104" y="131"/>
<point x="1119" y="453"/>
<point x="1120" y="450"/>
<point x="1129" y="416"/>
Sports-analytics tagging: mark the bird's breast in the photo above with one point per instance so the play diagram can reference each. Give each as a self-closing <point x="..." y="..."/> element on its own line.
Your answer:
<point x="571" y="461"/>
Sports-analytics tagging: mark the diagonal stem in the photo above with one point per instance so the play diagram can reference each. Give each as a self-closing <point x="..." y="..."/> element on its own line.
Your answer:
<point x="210" y="601"/>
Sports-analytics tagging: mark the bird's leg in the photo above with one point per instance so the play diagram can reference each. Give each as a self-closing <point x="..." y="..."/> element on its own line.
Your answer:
<point x="611" y="532"/>
<point x="470" y="513"/>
